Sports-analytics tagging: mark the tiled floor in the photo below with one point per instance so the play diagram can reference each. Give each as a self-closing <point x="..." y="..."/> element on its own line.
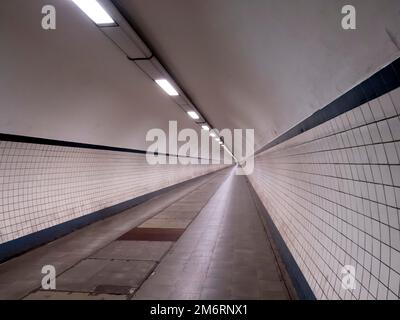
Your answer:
<point x="138" y="250"/>
<point x="207" y="242"/>
<point x="224" y="254"/>
<point x="119" y="276"/>
<point x="22" y="275"/>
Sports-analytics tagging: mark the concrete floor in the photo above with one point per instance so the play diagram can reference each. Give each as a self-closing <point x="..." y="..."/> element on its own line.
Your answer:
<point x="202" y="240"/>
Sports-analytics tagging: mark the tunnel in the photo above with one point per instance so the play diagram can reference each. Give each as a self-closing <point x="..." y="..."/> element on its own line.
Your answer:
<point x="199" y="150"/>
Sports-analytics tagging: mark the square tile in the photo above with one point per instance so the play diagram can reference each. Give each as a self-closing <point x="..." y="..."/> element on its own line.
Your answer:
<point x="133" y="250"/>
<point x="87" y="275"/>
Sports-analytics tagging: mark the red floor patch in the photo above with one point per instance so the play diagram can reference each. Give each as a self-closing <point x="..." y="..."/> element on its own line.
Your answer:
<point x="152" y="234"/>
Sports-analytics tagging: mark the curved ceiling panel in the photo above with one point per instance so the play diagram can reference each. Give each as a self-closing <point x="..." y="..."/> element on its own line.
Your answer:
<point x="266" y="64"/>
<point x="73" y="83"/>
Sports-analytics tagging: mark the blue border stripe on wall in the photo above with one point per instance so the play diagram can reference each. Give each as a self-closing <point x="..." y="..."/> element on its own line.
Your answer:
<point x="71" y="144"/>
<point x="18" y="246"/>
<point x="299" y="282"/>
<point x="384" y="81"/>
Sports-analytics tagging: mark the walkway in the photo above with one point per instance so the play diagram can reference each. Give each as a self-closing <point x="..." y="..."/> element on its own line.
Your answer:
<point x="202" y="240"/>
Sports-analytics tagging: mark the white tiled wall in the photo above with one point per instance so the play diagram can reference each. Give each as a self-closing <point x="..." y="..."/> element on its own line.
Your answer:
<point x="42" y="186"/>
<point x="333" y="192"/>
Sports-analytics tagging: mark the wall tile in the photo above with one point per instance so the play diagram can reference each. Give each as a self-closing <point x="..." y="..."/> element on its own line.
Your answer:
<point x="316" y="193"/>
<point x="43" y="185"/>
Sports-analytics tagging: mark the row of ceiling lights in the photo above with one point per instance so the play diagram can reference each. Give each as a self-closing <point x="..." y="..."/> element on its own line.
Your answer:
<point x="101" y="18"/>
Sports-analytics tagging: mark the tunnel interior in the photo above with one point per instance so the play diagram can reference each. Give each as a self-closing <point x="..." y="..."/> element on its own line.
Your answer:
<point x="200" y="150"/>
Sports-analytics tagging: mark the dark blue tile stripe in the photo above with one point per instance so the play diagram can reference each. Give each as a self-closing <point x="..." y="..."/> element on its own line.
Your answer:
<point x="299" y="282"/>
<point x="18" y="246"/>
<point x="384" y="81"/>
<point x="61" y="143"/>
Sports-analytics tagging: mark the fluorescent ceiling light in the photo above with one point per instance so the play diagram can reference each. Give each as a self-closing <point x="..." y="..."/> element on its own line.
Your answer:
<point x="193" y="115"/>
<point x="220" y="142"/>
<point x="167" y="87"/>
<point x="94" y="11"/>
<point x="205" y="128"/>
<point x="217" y="139"/>
<point x="227" y="150"/>
<point x="212" y="134"/>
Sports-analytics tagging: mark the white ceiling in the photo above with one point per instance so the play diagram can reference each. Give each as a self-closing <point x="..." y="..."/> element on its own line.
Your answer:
<point x="266" y="64"/>
<point x="73" y="83"/>
<point x="258" y="64"/>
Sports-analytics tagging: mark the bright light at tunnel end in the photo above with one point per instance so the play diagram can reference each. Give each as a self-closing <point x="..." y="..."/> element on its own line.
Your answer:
<point x="167" y="87"/>
<point x="95" y="12"/>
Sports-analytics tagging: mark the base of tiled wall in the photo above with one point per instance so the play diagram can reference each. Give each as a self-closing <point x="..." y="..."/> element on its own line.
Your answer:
<point x="47" y="186"/>
<point x="297" y="279"/>
<point x="18" y="246"/>
<point x="333" y="193"/>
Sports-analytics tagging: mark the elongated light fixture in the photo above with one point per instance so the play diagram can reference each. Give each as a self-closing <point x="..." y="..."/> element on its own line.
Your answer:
<point x="193" y="115"/>
<point x="205" y="127"/>
<point x="167" y="87"/>
<point x="94" y="11"/>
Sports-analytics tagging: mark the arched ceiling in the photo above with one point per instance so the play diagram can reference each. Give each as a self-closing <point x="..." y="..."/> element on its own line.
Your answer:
<point x="266" y="64"/>
<point x="73" y="83"/>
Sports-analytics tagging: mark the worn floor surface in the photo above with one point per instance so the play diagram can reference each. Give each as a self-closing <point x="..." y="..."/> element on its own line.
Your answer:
<point x="203" y="240"/>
